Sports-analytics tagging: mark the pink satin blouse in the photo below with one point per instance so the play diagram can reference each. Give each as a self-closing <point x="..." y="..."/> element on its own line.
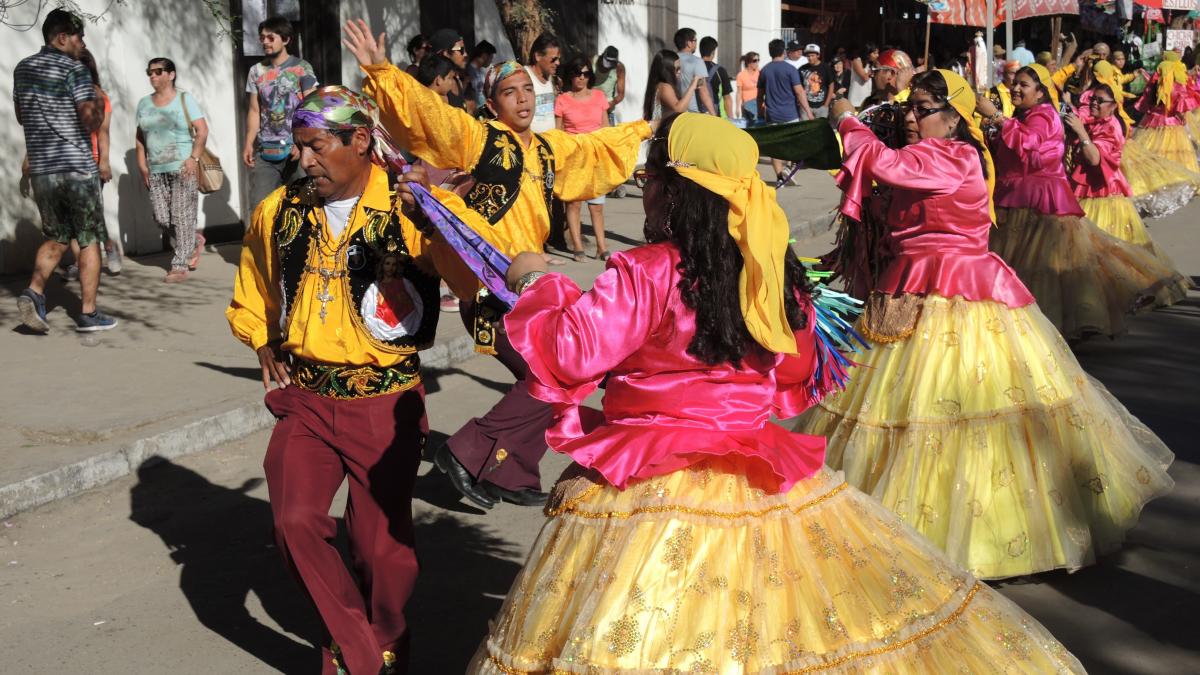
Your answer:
<point x="1028" y="153"/>
<point x="1106" y="178"/>
<point x="938" y="216"/>
<point x="663" y="409"/>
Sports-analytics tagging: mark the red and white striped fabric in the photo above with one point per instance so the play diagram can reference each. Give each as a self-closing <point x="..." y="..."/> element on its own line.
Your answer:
<point x="974" y="12"/>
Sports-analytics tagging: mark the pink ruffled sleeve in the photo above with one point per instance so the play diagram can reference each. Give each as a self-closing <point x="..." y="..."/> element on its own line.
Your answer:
<point x="1029" y="136"/>
<point x="928" y="166"/>
<point x="795" y="372"/>
<point x="572" y="339"/>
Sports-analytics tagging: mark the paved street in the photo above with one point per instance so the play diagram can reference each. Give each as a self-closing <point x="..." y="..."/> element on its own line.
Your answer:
<point x="171" y="569"/>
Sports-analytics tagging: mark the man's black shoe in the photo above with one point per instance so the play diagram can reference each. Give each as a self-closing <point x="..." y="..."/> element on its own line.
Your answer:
<point x="526" y="497"/>
<point x="460" y="479"/>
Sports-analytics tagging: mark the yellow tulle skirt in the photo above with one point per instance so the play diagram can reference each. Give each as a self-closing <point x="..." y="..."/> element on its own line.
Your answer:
<point x="1169" y="142"/>
<point x="1116" y="215"/>
<point x="982" y="431"/>
<point x="1192" y="118"/>
<point x="1159" y="186"/>
<point x="700" y="572"/>
<point x="1085" y="281"/>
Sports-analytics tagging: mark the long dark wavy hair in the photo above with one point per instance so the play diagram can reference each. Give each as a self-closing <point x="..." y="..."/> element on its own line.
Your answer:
<point x="697" y="223"/>
<point x="933" y="82"/>
<point x="662" y="69"/>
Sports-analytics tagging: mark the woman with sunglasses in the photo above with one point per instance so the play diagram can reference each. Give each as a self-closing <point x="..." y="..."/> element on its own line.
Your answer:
<point x="1097" y="139"/>
<point x="969" y="416"/>
<point x="580" y="110"/>
<point x="662" y="97"/>
<point x="747" y="86"/>
<point x="693" y="534"/>
<point x="1085" y="281"/>
<point x="169" y="160"/>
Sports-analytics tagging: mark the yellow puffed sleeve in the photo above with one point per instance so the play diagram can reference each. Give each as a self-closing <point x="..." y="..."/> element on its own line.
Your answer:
<point x="1060" y="76"/>
<point x="418" y="119"/>
<point x="589" y="165"/>
<point x="253" y="314"/>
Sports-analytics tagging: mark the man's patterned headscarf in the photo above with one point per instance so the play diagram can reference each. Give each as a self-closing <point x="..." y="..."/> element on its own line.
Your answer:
<point x="336" y="108"/>
<point x="497" y="74"/>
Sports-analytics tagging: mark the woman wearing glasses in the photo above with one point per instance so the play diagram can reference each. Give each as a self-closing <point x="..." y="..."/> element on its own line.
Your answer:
<point x="169" y="160"/>
<point x="1097" y="137"/>
<point x="580" y="110"/>
<point x="693" y="534"/>
<point x="969" y="416"/>
<point x="1085" y="281"/>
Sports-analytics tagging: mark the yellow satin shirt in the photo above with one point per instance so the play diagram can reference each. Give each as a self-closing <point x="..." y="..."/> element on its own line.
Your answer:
<point x="585" y="165"/>
<point x="256" y="312"/>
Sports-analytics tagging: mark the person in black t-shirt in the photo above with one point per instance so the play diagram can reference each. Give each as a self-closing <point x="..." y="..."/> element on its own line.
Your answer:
<point x="718" y="77"/>
<point x="818" y="81"/>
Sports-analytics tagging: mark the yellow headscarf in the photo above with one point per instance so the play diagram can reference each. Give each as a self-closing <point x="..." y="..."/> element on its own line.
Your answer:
<point x="1047" y="82"/>
<point x="1171" y="72"/>
<point x="723" y="159"/>
<point x="1108" y="75"/>
<point x="961" y="97"/>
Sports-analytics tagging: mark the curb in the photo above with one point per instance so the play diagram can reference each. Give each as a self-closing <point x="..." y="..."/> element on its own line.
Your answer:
<point x="814" y="227"/>
<point x="190" y="438"/>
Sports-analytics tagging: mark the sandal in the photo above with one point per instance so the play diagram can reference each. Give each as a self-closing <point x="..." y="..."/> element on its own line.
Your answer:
<point x="579" y="256"/>
<point x="194" y="260"/>
<point x="603" y="255"/>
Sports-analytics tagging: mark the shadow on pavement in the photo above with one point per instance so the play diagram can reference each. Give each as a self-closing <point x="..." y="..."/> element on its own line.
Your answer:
<point x="221" y="539"/>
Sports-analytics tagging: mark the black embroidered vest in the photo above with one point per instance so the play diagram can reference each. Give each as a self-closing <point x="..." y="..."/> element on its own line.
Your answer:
<point x="497" y="174"/>
<point x="296" y="232"/>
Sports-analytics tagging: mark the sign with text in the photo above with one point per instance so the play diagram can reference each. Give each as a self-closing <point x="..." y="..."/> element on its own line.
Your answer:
<point x="1186" y="5"/>
<point x="1180" y="40"/>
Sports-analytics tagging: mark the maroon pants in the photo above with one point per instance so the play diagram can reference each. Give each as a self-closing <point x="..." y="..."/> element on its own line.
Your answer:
<point x="376" y="442"/>
<point x="505" y="446"/>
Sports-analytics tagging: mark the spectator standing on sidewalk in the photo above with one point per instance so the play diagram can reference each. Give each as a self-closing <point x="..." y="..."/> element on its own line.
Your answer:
<point x="449" y="43"/>
<point x="481" y="60"/>
<point x="795" y="55"/>
<point x="662" y="87"/>
<point x="169" y="160"/>
<point x="692" y="67"/>
<point x="610" y="79"/>
<point x="579" y="110"/>
<point x="818" y="81"/>
<point x="720" y="85"/>
<point x="275" y="86"/>
<point x="58" y="106"/>
<point x="747" y="85"/>
<point x="544" y="57"/>
<point x="418" y="47"/>
<point x="780" y="94"/>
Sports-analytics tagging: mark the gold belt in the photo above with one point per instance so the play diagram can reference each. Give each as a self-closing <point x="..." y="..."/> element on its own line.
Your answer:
<point x="350" y="382"/>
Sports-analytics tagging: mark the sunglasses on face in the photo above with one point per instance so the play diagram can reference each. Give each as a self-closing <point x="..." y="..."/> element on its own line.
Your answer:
<point x="1100" y="101"/>
<point x="753" y="60"/>
<point x="641" y="177"/>
<point x="556" y="59"/>
<point x="582" y="73"/>
<point x="458" y="50"/>
<point x="155" y="71"/>
<point x="922" y="113"/>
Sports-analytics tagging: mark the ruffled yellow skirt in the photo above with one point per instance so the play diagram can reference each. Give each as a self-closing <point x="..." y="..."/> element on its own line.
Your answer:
<point x="1085" y="281"/>
<point x="1169" y="142"/>
<point x="1117" y="216"/>
<point x="982" y="431"/>
<point x="699" y="572"/>
<point x="1160" y="187"/>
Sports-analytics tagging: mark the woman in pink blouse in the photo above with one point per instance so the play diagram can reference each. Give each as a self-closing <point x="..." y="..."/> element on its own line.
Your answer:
<point x="579" y="110"/>
<point x="969" y="416"/>
<point x="1097" y="136"/>
<point x="1085" y="281"/>
<point x="693" y="534"/>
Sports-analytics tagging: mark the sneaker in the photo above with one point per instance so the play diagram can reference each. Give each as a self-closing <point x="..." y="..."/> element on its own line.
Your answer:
<point x="449" y="303"/>
<point x="96" y="321"/>
<point x="113" y="261"/>
<point x="32" y="307"/>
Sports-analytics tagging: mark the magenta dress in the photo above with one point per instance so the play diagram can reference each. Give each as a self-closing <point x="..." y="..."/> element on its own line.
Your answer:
<point x="693" y="534"/>
<point x="1085" y="280"/>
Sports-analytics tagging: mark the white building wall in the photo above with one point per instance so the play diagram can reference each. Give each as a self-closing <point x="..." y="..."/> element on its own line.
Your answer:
<point x="761" y="23"/>
<point x="399" y="20"/>
<point x="123" y="42"/>
<point x="623" y="25"/>
<point x="700" y="16"/>
<point x="488" y="27"/>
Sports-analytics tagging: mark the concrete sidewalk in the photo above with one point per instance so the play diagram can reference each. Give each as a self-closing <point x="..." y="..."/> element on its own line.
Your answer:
<point x="85" y="409"/>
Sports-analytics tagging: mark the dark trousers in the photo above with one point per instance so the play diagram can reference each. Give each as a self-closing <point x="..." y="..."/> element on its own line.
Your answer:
<point x="376" y="442"/>
<point x="505" y="446"/>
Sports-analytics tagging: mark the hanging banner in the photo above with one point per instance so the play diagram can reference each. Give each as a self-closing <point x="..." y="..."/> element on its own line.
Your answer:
<point x="974" y="12"/>
<point x="1186" y="5"/>
<point x="1180" y="40"/>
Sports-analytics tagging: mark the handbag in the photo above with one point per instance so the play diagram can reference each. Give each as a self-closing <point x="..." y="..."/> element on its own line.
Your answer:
<point x="209" y="175"/>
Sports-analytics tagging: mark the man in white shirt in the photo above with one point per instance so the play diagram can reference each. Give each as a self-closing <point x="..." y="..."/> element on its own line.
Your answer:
<point x="795" y="55"/>
<point x="691" y="67"/>
<point x="543" y="64"/>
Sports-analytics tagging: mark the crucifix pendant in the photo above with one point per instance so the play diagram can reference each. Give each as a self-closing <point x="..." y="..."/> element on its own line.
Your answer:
<point x="324" y="296"/>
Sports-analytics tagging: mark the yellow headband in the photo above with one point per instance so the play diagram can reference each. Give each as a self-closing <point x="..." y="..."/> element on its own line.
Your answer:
<point x="1171" y="72"/>
<point x="1107" y="74"/>
<point x="961" y="97"/>
<point x="1047" y="82"/>
<point x="723" y="159"/>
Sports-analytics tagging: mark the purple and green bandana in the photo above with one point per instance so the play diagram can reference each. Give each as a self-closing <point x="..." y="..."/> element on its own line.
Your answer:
<point x="497" y="74"/>
<point x="336" y="108"/>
